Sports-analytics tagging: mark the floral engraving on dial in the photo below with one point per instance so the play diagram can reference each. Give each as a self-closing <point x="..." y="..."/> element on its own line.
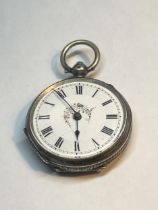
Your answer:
<point x="78" y="120"/>
<point x="80" y="108"/>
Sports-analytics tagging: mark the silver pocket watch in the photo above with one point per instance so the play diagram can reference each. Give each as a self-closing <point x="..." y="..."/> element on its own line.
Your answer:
<point x="79" y="124"/>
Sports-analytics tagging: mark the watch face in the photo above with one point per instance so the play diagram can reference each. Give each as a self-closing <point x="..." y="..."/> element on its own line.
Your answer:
<point x="77" y="119"/>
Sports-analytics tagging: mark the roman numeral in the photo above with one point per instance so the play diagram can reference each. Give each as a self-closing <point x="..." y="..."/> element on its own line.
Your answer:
<point x="59" y="142"/>
<point x="44" y="117"/>
<point x="47" y="131"/>
<point x="111" y="116"/>
<point x="49" y="103"/>
<point x="107" y="102"/>
<point x="79" y="89"/>
<point x="107" y="130"/>
<point x="96" y="143"/>
<point x="77" y="146"/>
<point x="61" y="93"/>
<point x="95" y="92"/>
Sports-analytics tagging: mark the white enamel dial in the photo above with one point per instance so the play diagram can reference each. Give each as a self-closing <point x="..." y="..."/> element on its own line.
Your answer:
<point x="59" y="132"/>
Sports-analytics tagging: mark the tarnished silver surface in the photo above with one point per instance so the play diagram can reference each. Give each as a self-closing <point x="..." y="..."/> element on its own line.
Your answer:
<point x="80" y="69"/>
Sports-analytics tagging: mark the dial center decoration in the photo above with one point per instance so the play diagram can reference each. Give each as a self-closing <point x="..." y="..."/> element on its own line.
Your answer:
<point x="81" y="112"/>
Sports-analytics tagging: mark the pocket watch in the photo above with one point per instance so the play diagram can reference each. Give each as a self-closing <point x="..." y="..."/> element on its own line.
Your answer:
<point x="79" y="125"/>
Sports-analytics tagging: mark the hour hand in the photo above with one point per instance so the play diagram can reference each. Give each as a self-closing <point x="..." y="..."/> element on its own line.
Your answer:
<point x="77" y="132"/>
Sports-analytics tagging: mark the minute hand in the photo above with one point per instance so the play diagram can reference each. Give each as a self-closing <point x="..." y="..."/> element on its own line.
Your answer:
<point x="65" y="101"/>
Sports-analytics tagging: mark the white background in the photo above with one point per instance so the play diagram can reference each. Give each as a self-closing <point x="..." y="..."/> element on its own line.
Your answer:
<point x="32" y="34"/>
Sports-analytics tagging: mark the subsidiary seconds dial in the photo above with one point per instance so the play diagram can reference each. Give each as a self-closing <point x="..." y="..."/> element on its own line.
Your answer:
<point x="77" y="119"/>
